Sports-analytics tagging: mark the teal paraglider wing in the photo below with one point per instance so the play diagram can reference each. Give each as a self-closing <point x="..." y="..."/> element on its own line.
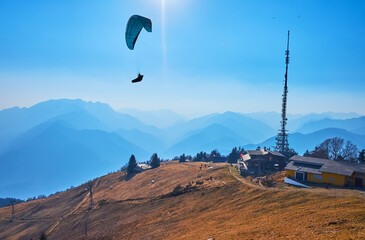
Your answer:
<point x="134" y="27"/>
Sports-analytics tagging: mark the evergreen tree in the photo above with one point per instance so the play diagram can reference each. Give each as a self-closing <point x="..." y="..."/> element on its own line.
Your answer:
<point x="235" y="155"/>
<point x="201" y="157"/>
<point x="362" y="156"/>
<point x="155" y="161"/>
<point x="291" y="153"/>
<point x="132" y="164"/>
<point x="182" y="158"/>
<point x="306" y="154"/>
<point x="213" y="154"/>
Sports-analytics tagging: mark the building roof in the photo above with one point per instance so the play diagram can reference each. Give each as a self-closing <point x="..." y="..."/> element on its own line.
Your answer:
<point x="257" y="152"/>
<point x="296" y="167"/>
<point x="143" y="166"/>
<point x="276" y="153"/>
<point x="260" y="152"/>
<point x="319" y="165"/>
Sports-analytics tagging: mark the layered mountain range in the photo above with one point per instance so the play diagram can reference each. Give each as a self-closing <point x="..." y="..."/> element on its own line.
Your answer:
<point x="58" y="143"/>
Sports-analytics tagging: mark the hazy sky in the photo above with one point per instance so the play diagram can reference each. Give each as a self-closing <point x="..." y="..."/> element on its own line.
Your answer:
<point x="203" y="55"/>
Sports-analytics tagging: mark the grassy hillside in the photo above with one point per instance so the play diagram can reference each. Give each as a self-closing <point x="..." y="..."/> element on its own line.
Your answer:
<point x="218" y="204"/>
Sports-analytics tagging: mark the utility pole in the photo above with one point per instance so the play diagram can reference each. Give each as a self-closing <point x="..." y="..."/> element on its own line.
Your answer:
<point x="91" y="196"/>
<point x="12" y="211"/>
<point x="282" y="144"/>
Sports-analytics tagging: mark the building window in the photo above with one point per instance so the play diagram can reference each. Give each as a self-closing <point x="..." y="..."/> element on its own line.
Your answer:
<point x="331" y="179"/>
<point x="317" y="176"/>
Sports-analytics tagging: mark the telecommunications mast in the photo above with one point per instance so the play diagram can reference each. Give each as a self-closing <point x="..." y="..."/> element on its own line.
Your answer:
<point x="282" y="144"/>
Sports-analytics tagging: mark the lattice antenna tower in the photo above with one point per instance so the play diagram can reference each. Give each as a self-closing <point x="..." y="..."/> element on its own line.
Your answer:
<point x="282" y="144"/>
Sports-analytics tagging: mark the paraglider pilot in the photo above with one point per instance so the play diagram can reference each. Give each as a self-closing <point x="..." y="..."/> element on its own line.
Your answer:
<point x="134" y="27"/>
<point x="138" y="79"/>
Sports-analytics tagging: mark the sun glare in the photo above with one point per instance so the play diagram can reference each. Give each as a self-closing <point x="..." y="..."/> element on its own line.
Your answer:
<point x="163" y="34"/>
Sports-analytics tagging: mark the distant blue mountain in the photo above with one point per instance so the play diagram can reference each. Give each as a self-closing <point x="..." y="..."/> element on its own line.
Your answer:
<point x="79" y="114"/>
<point x="58" y="143"/>
<point x="80" y="120"/>
<point x="148" y="142"/>
<point x="16" y="120"/>
<point x="360" y="130"/>
<point x="301" y="142"/>
<point x="247" y="128"/>
<point x="355" y="125"/>
<point x="52" y="156"/>
<point x="8" y="201"/>
<point x="159" y="118"/>
<point x="207" y="139"/>
<point x="296" y="121"/>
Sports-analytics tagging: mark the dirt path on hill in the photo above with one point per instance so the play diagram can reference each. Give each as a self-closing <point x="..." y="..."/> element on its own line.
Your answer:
<point x="245" y="181"/>
<point x="70" y="212"/>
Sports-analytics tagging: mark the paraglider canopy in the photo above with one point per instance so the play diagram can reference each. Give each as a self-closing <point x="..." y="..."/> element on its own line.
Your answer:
<point x="134" y="27"/>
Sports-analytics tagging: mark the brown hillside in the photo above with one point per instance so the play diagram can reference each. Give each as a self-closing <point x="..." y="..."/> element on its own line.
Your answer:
<point x="219" y="204"/>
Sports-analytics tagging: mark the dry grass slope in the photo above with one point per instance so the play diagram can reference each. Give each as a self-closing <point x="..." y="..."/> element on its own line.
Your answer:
<point x="215" y="205"/>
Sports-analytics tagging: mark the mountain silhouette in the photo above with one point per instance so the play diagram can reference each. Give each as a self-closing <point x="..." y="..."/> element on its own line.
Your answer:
<point x="301" y="142"/>
<point x="355" y="125"/>
<point x="52" y="156"/>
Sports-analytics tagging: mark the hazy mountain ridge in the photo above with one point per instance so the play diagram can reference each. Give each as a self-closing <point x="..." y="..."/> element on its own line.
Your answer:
<point x="72" y="134"/>
<point x="57" y="156"/>
<point x="296" y="121"/>
<point x="207" y="139"/>
<point x="16" y="120"/>
<point x="147" y="141"/>
<point x="248" y="128"/>
<point x="355" y="125"/>
<point x="301" y="142"/>
<point x="158" y="118"/>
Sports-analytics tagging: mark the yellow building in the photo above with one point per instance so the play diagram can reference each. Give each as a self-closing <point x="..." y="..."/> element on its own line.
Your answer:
<point x="326" y="171"/>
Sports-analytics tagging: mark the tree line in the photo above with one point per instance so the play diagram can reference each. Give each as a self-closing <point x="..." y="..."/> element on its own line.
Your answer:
<point x="154" y="162"/>
<point x="332" y="148"/>
<point x="337" y="149"/>
<point x="205" y="157"/>
<point x="202" y="156"/>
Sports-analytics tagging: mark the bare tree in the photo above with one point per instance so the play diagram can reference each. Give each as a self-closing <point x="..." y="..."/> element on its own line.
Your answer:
<point x="335" y="148"/>
<point x="322" y="150"/>
<point x="350" y="152"/>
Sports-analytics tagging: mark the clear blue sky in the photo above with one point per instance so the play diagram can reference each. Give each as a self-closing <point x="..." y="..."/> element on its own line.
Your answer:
<point x="203" y="55"/>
